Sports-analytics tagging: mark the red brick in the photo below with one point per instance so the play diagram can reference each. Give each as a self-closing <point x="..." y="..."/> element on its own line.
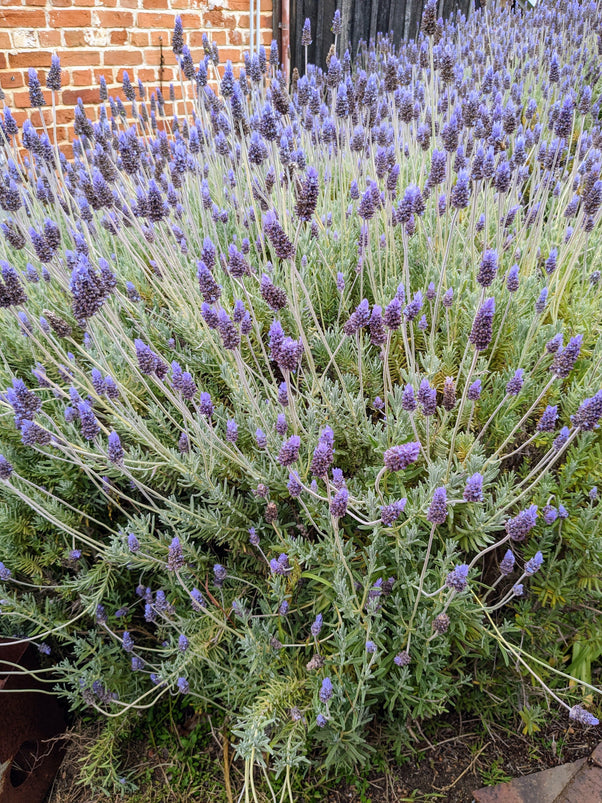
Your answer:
<point x="152" y="56"/>
<point x="3" y="61"/>
<point x="164" y="37"/>
<point x="83" y="3"/>
<point x="81" y="77"/>
<point x="20" y="117"/>
<point x="195" y="39"/>
<point x="119" y="37"/>
<point x="13" y="80"/>
<point x="229" y="54"/>
<point x="154" y="4"/>
<point x="21" y="100"/>
<point x="70" y="18"/>
<point x="62" y="3"/>
<point x="70" y="96"/>
<point x="4" y="41"/>
<point x="22" y="18"/>
<point x="139" y="38"/>
<point x="151" y="20"/>
<point x="115" y="19"/>
<point x="216" y="19"/>
<point x="75" y="38"/>
<point x="79" y="58"/>
<point x="61" y="133"/>
<point x="65" y="115"/>
<point x="238" y="5"/>
<point x="127" y="58"/>
<point x="128" y="3"/>
<point x="49" y="39"/>
<point x="235" y="37"/>
<point x="146" y="74"/>
<point x="104" y="71"/>
<point x="30" y="58"/>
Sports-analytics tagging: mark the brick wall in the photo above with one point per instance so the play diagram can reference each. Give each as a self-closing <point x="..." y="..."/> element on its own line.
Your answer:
<point x="104" y="37"/>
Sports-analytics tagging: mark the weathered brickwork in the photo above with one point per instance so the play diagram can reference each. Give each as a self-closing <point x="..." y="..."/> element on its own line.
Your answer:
<point x="96" y="38"/>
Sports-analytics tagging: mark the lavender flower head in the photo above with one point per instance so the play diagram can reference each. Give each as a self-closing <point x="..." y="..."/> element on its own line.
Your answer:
<point x="437" y="512"/>
<point x="473" y="492"/>
<point x="561" y="439"/>
<point x="175" y="555"/>
<point x="326" y="690"/>
<point x="289" y="451"/>
<point x="398" y="458"/>
<point x="488" y="268"/>
<point x="547" y="422"/>
<point x="36" y="98"/>
<point x="482" y="327"/>
<point x="507" y="563"/>
<point x="521" y="525"/>
<point x="512" y="279"/>
<point x="534" y="564"/>
<point x="390" y="513"/>
<point x="53" y="76"/>
<point x="514" y="386"/>
<point x="458" y="578"/>
<point x="408" y="400"/>
<point x="338" y="506"/>
<point x="566" y="357"/>
<point x="306" y="39"/>
<point x="583" y="717"/>
<point x="474" y="391"/>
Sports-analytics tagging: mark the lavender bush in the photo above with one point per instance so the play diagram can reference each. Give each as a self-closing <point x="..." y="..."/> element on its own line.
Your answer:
<point x="301" y="388"/>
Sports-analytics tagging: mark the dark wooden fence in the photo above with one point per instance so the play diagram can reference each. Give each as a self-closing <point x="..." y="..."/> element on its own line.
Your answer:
<point x="362" y="20"/>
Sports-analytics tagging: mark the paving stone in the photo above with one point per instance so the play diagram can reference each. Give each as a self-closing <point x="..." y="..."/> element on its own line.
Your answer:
<point x="541" y="787"/>
<point x="586" y="785"/>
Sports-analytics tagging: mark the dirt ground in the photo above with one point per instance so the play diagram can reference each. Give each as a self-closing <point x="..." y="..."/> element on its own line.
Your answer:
<point x="465" y="757"/>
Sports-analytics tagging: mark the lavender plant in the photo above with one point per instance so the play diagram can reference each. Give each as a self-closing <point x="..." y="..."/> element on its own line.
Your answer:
<point x="302" y="386"/>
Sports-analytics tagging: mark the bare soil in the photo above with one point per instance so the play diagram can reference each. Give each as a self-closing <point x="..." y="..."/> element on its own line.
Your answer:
<point x="465" y="756"/>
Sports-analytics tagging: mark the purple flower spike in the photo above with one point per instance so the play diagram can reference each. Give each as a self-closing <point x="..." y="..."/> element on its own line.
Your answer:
<point x="521" y="525"/>
<point x="115" y="449"/>
<point x="514" y="386"/>
<point x="437" y="512"/>
<point x="326" y="690"/>
<point x="473" y="492"/>
<point x="474" y="391"/>
<point x="482" y="327"/>
<point x="289" y="452"/>
<point x="338" y="506"/>
<point x="534" y="564"/>
<point x="589" y="413"/>
<point x="566" y="358"/>
<point x="175" y="555"/>
<point x="507" y="563"/>
<point x="53" y="76"/>
<point x="408" y="400"/>
<point x="583" y="717"/>
<point x="392" y="315"/>
<point x="512" y="279"/>
<point x="390" y="513"/>
<point x="36" y="98"/>
<point x="458" y="578"/>
<point x="398" y="458"/>
<point x="547" y="422"/>
<point x="488" y="268"/>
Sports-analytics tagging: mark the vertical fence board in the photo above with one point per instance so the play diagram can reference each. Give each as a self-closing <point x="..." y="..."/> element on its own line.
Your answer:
<point x="361" y="20"/>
